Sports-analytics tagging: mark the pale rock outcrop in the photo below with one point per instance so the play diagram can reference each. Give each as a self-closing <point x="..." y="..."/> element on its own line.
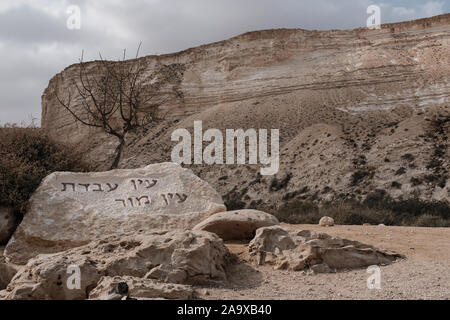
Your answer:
<point x="320" y="252"/>
<point x="354" y="101"/>
<point x="72" y="209"/>
<point x="237" y="225"/>
<point x="326" y="222"/>
<point x="118" y="288"/>
<point x="195" y="257"/>
<point x="7" y="224"/>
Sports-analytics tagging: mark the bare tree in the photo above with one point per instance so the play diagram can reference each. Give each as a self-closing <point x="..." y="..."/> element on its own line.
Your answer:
<point x="113" y="98"/>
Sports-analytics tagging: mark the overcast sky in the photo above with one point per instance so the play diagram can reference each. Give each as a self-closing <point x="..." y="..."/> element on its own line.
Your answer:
<point x="35" y="42"/>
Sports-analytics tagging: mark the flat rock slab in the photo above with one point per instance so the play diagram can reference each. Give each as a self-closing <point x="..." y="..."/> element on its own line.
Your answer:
<point x="72" y="209"/>
<point x="237" y="225"/>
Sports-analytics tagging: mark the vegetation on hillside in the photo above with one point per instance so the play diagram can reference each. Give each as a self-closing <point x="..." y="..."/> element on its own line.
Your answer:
<point x="27" y="155"/>
<point x="377" y="208"/>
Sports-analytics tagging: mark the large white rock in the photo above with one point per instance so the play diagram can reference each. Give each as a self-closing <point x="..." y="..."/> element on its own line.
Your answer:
<point x="72" y="209"/>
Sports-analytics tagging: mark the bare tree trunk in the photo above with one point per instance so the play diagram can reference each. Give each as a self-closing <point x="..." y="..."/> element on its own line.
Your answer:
<point x="118" y="153"/>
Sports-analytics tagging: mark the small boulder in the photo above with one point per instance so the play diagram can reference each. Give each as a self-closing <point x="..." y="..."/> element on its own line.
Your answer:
<point x="237" y="225"/>
<point x="326" y="222"/>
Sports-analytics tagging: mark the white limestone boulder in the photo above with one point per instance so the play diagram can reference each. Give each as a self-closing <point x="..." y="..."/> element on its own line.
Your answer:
<point x="72" y="209"/>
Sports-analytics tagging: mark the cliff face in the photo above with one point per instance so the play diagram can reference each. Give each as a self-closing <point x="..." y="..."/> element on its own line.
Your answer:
<point x="357" y="109"/>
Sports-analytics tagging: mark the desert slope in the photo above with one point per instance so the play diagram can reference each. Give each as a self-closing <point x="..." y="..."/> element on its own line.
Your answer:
<point x="357" y="110"/>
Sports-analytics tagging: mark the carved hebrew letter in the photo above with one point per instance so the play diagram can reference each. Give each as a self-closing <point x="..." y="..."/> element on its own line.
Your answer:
<point x="65" y="184"/>
<point x="147" y="182"/>
<point x="111" y="188"/>
<point x="131" y="201"/>
<point x="182" y="197"/>
<point x="151" y="184"/>
<point x="165" y="199"/>
<point x="85" y="185"/>
<point x="123" y="202"/>
<point x="143" y="197"/>
<point x="99" y="187"/>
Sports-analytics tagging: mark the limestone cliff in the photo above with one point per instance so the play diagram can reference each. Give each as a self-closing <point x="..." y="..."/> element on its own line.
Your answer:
<point x="357" y="110"/>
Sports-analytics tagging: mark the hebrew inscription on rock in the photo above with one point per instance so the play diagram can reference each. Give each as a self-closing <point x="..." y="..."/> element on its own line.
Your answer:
<point x="83" y="206"/>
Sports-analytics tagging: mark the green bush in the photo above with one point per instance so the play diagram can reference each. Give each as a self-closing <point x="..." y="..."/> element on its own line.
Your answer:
<point x="27" y="155"/>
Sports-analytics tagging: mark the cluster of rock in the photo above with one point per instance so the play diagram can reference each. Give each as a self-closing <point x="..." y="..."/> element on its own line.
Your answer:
<point x="189" y="257"/>
<point x="151" y="233"/>
<point x="320" y="252"/>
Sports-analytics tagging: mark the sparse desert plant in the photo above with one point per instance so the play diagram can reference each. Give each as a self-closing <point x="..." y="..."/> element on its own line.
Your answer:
<point x="400" y="171"/>
<point x="277" y="185"/>
<point x="360" y="175"/>
<point x="396" y="185"/>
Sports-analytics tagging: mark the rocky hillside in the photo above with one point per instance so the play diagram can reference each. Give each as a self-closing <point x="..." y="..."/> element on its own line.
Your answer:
<point x="357" y="110"/>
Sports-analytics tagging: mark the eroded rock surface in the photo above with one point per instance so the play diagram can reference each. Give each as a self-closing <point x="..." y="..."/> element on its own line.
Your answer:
<point x="320" y="252"/>
<point x="118" y="288"/>
<point x="185" y="257"/>
<point x="237" y="225"/>
<point x="72" y="209"/>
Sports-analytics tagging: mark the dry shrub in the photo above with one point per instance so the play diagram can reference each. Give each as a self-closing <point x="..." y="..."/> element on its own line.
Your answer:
<point x="27" y="155"/>
<point x="378" y="208"/>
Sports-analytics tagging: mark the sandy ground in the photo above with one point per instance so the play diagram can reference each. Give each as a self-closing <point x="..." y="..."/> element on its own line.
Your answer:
<point x="425" y="274"/>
